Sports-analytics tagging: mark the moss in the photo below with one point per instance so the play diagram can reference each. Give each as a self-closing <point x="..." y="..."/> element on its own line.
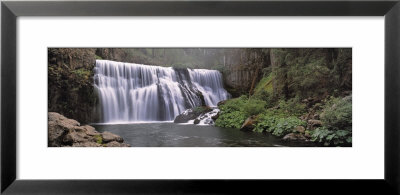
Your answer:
<point x="265" y="85"/>
<point x="82" y="73"/>
<point x="99" y="139"/>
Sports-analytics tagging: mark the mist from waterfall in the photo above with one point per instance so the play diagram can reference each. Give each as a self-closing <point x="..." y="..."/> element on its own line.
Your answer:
<point x="131" y="92"/>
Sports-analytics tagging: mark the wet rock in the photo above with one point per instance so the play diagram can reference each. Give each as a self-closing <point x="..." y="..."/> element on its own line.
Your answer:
<point x="110" y="137"/>
<point x="68" y="132"/>
<point x="294" y="137"/>
<point x="248" y="124"/>
<point x="215" y="117"/>
<point x="207" y="118"/>
<point x="192" y="114"/>
<point x="221" y="103"/>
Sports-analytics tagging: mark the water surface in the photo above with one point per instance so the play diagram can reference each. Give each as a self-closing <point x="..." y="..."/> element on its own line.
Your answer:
<point x="170" y="134"/>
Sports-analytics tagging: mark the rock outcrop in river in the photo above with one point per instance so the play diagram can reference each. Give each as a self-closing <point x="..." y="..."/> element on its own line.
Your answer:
<point x="202" y="115"/>
<point x="63" y="131"/>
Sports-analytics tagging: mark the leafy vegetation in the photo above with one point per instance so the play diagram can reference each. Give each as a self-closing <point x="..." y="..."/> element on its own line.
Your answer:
<point x="276" y="121"/>
<point x="232" y="119"/>
<point x="331" y="137"/>
<point x="253" y="107"/>
<point x="298" y="85"/>
<point x="337" y="113"/>
<point x="232" y="113"/>
<point x="337" y="119"/>
<point x="278" y="126"/>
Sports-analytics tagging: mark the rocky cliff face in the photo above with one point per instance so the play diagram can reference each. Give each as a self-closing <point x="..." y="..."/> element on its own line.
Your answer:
<point x="245" y="70"/>
<point x="239" y="81"/>
<point x="70" y="83"/>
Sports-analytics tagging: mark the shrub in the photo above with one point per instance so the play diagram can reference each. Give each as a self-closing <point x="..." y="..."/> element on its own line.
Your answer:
<point x="265" y="123"/>
<point x="253" y="107"/>
<point x="235" y="104"/>
<point x="292" y="107"/>
<point x="337" y="114"/>
<point x="82" y="73"/>
<point x="331" y="137"/>
<point x="286" y="125"/>
<point x="266" y="97"/>
<point x="278" y="126"/>
<point x="233" y="119"/>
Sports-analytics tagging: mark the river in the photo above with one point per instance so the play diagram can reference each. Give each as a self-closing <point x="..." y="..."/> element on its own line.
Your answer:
<point x="168" y="134"/>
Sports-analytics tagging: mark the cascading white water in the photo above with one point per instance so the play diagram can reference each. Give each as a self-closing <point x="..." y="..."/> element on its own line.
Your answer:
<point x="132" y="92"/>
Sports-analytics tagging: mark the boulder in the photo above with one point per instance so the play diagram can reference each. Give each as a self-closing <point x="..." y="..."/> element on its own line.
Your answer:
<point x="248" y="124"/>
<point x="192" y="114"/>
<point x="300" y="129"/>
<point x="116" y="144"/>
<point x="221" y="103"/>
<point x="312" y="124"/>
<point x="294" y="137"/>
<point x="215" y="117"/>
<point x="75" y="137"/>
<point x="64" y="132"/>
<point x="90" y="130"/>
<point x="110" y="137"/>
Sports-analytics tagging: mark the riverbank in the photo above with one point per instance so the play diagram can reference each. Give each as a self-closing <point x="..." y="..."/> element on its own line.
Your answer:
<point x="326" y="122"/>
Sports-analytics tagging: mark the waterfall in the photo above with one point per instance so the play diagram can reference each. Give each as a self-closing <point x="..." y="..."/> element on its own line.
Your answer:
<point x="134" y="92"/>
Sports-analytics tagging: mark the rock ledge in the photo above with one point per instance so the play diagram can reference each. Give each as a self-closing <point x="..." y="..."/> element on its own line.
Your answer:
<point x="63" y="131"/>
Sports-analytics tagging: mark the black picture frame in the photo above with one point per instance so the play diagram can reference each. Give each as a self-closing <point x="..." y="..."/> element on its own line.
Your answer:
<point x="10" y="10"/>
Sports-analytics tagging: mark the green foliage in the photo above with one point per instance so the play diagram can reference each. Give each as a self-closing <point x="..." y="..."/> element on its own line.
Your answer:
<point x="253" y="107"/>
<point x="278" y="126"/>
<point x="311" y="72"/>
<point x="265" y="123"/>
<point x="264" y="90"/>
<point x="82" y="73"/>
<point x="331" y="137"/>
<point x="233" y="119"/>
<point x="287" y="125"/>
<point x="292" y="107"/>
<point x="241" y="108"/>
<point x="264" y="85"/>
<point x="99" y="139"/>
<point x="337" y="113"/>
<point x="235" y="104"/>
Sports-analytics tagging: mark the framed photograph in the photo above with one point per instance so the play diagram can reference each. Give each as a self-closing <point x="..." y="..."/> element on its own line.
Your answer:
<point x="199" y="97"/>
